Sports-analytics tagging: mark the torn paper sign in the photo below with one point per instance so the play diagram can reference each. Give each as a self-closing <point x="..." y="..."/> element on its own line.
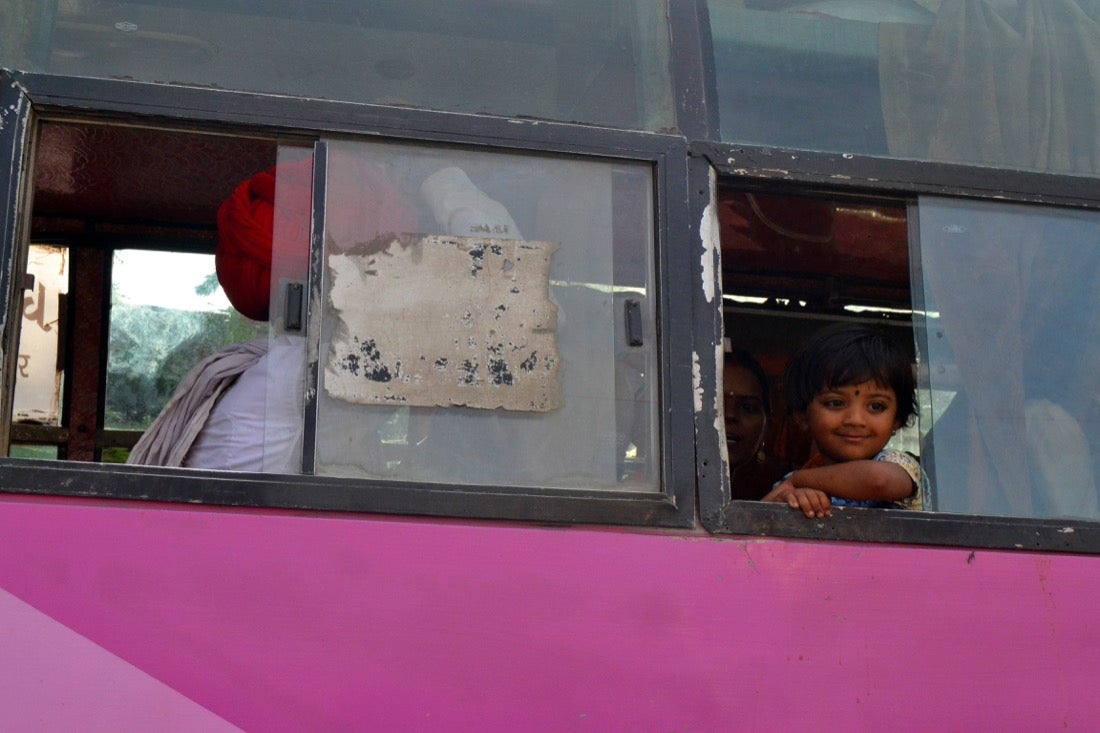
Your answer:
<point x="433" y="320"/>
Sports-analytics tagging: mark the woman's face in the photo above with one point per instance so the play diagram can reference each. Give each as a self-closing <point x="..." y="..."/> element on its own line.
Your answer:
<point x="745" y="416"/>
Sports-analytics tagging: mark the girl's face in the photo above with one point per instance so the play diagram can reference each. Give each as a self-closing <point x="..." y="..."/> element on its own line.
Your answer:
<point x="743" y="404"/>
<point x="852" y="423"/>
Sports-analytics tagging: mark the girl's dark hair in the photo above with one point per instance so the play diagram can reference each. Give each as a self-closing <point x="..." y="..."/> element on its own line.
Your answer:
<point x="742" y="358"/>
<point x="845" y="354"/>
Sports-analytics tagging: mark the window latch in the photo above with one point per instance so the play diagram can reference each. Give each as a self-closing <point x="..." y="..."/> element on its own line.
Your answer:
<point x="633" y="311"/>
<point x="292" y="316"/>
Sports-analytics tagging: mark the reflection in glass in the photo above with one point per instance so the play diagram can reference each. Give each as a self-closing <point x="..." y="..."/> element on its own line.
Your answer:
<point x="1009" y="84"/>
<point x="474" y="320"/>
<point x="796" y="80"/>
<point x="1010" y="342"/>
<point x="570" y="60"/>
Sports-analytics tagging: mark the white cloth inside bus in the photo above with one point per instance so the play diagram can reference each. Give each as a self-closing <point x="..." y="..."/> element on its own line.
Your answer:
<point x="167" y="441"/>
<point x="242" y="409"/>
<point x="462" y="209"/>
<point x="257" y="426"/>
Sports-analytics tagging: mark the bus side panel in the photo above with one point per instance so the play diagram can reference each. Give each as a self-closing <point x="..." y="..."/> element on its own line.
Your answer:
<point x="118" y="616"/>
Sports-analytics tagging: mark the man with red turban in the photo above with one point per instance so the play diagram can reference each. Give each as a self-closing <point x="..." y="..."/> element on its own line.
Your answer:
<point x="224" y="414"/>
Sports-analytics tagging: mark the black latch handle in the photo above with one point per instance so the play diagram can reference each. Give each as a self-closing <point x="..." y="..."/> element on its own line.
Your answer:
<point x="633" y="311"/>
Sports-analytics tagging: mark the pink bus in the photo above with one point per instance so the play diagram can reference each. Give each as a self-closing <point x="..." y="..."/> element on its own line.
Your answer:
<point x="365" y="363"/>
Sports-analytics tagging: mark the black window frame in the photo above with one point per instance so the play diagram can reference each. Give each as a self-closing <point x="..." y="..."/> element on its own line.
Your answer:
<point x="828" y="174"/>
<point x="26" y="97"/>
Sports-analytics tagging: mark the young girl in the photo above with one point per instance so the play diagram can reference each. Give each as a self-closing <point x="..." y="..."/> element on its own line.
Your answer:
<point x="851" y="387"/>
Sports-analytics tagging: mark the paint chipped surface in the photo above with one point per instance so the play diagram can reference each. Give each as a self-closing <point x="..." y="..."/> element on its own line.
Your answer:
<point x="431" y="320"/>
<point x="719" y="404"/>
<point x="697" y="381"/>
<point x="708" y="233"/>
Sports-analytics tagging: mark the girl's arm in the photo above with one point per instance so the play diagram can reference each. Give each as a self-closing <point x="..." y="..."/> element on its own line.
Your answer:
<point x="858" y="480"/>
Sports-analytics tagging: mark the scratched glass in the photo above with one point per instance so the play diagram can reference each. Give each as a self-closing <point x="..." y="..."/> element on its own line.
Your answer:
<point x="487" y="318"/>
<point x="1006" y="84"/>
<point x="570" y="60"/>
<point x="1010" y="339"/>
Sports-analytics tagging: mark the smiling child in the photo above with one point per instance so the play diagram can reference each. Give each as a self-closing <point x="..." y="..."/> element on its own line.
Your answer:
<point x="851" y="387"/>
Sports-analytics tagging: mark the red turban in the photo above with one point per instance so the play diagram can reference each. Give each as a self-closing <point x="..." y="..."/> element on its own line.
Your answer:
<point x="245" y="224"/>
<point x="365" y="201"/>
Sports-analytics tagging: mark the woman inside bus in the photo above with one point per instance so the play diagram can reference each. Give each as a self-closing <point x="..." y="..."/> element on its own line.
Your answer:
<point x="746" y="400"/>
<point x="746" y="406"/>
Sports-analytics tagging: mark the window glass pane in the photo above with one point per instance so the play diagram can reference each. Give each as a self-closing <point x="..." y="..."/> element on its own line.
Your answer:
<point x="998" y="83"/>
<point x="570" y="60"/>
<point x="1010" y="344"/>
<point x="487" y="319"/>
<point x="160" y="328"/>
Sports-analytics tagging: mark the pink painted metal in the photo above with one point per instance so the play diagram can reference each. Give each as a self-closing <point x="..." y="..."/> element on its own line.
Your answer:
<point x="277" y="621"/>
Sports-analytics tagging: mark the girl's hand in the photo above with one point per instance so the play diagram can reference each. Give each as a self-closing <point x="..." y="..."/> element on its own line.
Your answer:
<point x="813" y="502"/>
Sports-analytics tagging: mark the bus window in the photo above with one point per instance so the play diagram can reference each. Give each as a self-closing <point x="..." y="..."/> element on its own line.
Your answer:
<point x="473" y="317"/>
<point x="1009" y="338"/>
<point x="1002" y="318"/>
<point x="790" y="266"/>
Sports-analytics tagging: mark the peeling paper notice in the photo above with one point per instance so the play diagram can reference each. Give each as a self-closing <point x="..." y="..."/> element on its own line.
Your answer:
<point x="430" y="320"/>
